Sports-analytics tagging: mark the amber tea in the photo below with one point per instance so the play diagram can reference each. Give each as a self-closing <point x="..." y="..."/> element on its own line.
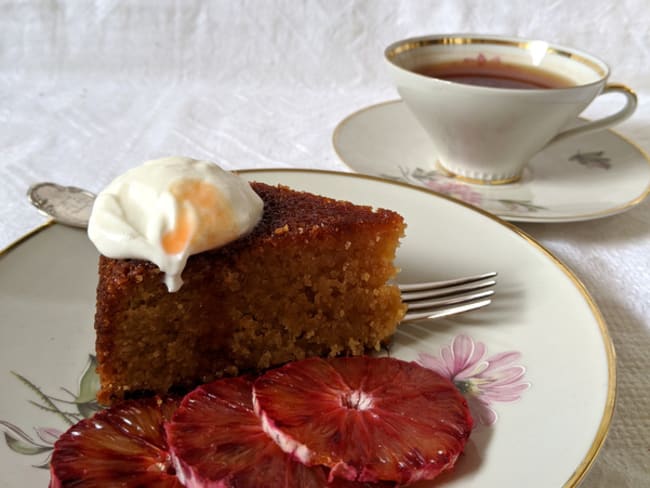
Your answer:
<point x="495" y="74"/>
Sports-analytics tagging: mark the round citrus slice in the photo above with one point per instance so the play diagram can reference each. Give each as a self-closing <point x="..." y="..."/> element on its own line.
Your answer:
<point x="124" y="445"/>
<point x="368" y="419"/>
<point x="216" y="440"/>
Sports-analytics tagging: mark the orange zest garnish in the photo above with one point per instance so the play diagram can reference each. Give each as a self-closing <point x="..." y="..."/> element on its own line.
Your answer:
<point x="205" y="218"/>
<point x="177" y="239"/>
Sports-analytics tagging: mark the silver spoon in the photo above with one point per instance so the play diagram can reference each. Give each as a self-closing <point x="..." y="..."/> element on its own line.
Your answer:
<point x="67" y="205"/>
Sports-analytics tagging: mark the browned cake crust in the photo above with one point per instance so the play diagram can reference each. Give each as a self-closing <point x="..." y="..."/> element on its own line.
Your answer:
<point x="309" y="280"/>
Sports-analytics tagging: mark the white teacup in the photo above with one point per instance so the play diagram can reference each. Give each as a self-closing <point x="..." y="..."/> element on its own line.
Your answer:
<point x="487" y="134"/>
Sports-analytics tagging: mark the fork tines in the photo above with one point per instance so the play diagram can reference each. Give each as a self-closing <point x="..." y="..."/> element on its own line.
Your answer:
<point x="448" y="297"/>
<point x="433" y="285"/>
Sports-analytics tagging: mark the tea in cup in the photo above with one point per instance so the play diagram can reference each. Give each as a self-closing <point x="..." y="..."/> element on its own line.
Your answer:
<point x="489" y="103"/>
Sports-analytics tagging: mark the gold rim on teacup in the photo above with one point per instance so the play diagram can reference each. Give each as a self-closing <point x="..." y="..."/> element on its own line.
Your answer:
<point x="533" y="45"/>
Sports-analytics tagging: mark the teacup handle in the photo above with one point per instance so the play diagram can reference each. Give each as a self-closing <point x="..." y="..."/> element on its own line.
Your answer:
<point x="605" y="122"/>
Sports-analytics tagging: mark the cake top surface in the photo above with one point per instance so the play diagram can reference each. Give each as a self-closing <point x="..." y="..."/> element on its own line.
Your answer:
<point x="168" y="209"/>
<point x="296" y="213"/>
<point x="291" y="220"/>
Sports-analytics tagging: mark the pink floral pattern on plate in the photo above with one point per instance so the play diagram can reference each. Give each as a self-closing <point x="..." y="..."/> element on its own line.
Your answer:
<point x="483" y="380"/>
<point x="68" y="411"/>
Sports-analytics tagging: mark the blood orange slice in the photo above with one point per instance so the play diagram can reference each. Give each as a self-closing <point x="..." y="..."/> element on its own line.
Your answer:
<point x="216" y="440"/>
<point x="124" y="445"/>
<point x="368" y="419"/>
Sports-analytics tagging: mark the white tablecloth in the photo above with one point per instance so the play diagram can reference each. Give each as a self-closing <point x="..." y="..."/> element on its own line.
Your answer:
<point x="91" y="88"/>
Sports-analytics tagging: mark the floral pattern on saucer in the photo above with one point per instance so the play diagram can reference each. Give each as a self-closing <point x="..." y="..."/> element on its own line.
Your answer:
<point x="588" y="176"/>
<point x="478" y="195"/>
<point x="592" y="159"/>
<point x="465" y="192"/>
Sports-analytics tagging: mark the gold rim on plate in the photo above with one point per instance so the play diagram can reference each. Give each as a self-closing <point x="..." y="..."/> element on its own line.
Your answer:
<point x="601" y="434"/>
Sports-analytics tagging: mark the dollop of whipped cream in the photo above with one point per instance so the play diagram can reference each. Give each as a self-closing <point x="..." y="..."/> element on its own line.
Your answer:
<point x="168" y="209"/>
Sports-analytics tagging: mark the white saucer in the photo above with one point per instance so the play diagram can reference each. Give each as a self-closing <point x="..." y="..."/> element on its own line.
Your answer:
<point x="582" y="178"/>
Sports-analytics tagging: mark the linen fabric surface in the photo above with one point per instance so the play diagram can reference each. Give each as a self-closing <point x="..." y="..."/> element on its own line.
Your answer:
<point x="89" y="89"/>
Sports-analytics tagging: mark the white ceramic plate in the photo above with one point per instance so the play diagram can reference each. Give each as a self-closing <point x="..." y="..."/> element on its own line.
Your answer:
<point x="537" y="365"/>
<point x="581" y="178"/>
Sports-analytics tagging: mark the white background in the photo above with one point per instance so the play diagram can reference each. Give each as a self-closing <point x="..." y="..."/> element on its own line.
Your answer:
<point x="89" y="89"/>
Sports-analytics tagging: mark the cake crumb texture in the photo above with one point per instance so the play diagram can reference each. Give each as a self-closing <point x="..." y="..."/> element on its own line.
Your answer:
<point x="309" y="280"/>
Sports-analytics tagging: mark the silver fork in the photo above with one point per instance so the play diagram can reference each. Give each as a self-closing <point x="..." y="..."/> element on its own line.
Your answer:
<point x="449" y="297"/>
